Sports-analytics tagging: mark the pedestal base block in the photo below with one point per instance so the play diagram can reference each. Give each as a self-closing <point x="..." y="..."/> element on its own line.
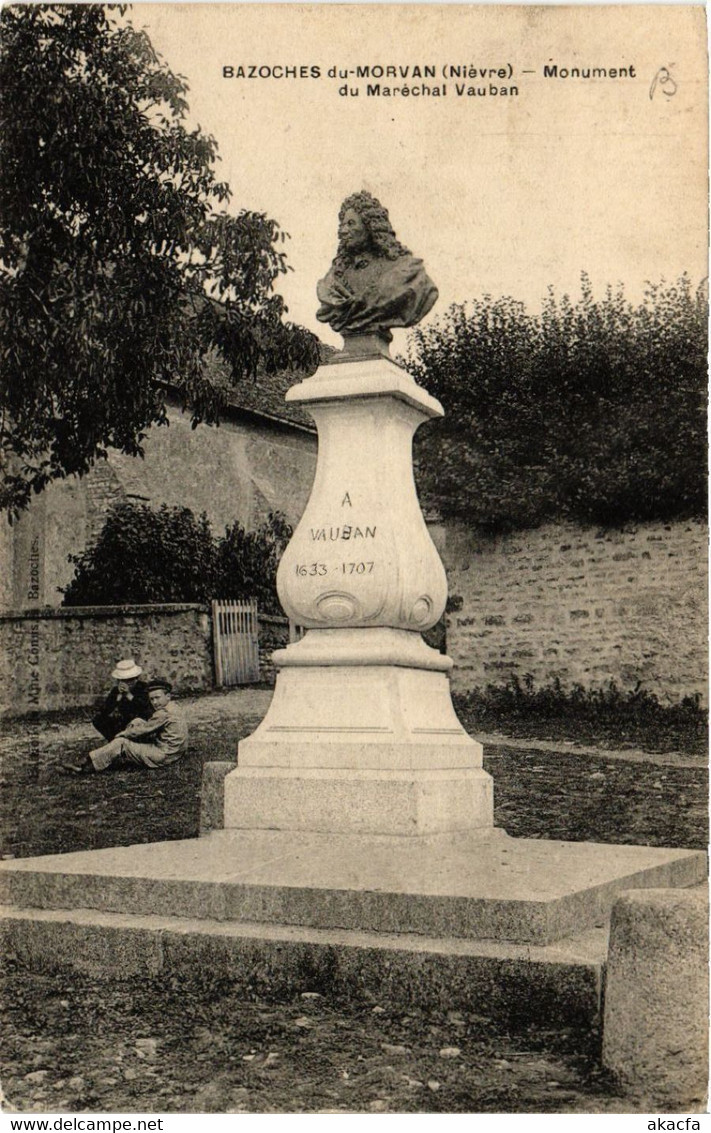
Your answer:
<point x="401" y="803"/>
<point x="350" y="745"/>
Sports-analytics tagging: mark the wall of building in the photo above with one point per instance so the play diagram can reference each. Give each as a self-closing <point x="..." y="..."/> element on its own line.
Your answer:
<point x="55" y="659"/>
<point x="7" y="539"/>
<point x="582" y="605"/>
<point x="241" y="470"/>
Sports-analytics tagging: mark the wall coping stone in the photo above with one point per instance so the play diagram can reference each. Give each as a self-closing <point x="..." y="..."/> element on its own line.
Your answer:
<point x="273" y="619"/>
<point x="44" y="612"/>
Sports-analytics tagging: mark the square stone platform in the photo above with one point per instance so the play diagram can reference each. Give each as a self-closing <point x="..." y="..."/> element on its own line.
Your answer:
<point x="507" y="889"/>
<point x="502" y="926"/>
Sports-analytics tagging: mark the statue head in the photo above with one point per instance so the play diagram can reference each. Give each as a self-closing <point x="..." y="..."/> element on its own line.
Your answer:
<point x="364" y="226"/>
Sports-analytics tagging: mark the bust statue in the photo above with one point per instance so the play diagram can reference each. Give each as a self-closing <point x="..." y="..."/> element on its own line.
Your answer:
<point x="374" y="283"/>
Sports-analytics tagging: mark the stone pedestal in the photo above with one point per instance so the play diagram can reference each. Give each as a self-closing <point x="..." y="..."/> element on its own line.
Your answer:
<point x="361" y="736"/>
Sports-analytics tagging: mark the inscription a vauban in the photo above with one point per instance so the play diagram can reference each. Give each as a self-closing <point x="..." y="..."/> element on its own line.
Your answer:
<point x="342" y="531"/>
<point x="333" y="534"/>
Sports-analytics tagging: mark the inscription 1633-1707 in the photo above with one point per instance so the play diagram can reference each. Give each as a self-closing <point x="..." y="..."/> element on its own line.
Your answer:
<point x="330" y="561"/>
<point x="322" y="569"/>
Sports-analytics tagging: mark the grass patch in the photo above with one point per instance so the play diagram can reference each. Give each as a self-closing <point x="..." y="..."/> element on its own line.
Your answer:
<point x="607" y="716"/>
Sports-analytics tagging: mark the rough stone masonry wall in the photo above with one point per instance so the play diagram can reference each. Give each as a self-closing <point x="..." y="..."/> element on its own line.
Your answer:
<point x="53" y="659"/>
<point x="581" y="604"/>
<point x="273" y="635"/>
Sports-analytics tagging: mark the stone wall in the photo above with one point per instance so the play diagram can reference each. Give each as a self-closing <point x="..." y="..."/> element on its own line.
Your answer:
<point x="575" y="603"/>
<point x="273" y="634"/>
<point x="53" y="659"/>
<point x="580" y="604"/>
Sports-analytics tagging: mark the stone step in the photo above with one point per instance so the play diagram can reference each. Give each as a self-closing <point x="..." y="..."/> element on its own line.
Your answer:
<point x="502" y="889"/>
<point x="551" y="985"/>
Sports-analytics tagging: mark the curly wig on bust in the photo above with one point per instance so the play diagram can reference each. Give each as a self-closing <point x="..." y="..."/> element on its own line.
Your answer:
<point x="376" y="220"/>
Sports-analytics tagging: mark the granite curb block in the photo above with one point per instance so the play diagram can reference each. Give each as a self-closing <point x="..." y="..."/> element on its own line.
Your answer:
<point x="554" y="984"/>
<point x="656" y="1017"/>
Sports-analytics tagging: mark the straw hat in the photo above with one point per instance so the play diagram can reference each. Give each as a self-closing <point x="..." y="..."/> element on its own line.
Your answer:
<point x="126" y="670"/>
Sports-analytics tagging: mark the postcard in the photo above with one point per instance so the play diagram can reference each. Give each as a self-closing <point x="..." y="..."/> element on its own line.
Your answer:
<point x="354" y="628"/>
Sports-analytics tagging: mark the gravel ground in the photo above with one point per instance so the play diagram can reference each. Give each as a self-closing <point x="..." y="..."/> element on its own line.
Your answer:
<point x="73" y="1044"/>
<point x="76" y="1045"/>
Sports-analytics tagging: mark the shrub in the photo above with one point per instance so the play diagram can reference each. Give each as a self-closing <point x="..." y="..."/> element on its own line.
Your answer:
<point x="246" y="562"/>
<point x="592" y="411"/>
<point x="608" y="715"/>
<point x="147" y="555"/>
<point x="144" y="555"/>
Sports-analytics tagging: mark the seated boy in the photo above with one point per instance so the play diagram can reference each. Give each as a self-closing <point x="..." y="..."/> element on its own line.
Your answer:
<point x="152" y="743"/>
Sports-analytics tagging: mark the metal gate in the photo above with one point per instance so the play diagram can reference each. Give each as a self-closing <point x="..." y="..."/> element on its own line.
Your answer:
<point x="235" y="636"/>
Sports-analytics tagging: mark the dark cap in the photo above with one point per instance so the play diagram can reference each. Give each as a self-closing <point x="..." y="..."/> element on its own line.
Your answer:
<point x="159" y="683"/>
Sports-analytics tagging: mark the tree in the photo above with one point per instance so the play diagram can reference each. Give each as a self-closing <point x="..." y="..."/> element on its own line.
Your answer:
<point x="118" y="270"/>
<point x="246" y="562"/>
<point x="145" y="555"/>
<point x="592" y="410"/>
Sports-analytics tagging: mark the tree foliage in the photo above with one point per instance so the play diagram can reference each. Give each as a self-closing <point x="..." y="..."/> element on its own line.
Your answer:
<point x="145" y="555"/>
<point x="594" y="410"/>
<point x="246" y="562"/>
<point x="119" y="270"/>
